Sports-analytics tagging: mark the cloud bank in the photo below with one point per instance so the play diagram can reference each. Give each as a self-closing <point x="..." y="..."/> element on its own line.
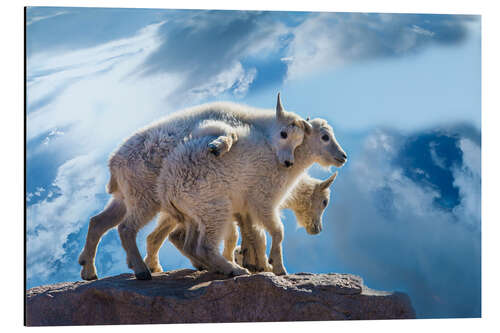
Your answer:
<point x="403" y="229"/>
<point x="333" y="39"/>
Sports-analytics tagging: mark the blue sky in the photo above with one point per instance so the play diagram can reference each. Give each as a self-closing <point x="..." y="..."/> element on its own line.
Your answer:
<point x="402" y="92"/>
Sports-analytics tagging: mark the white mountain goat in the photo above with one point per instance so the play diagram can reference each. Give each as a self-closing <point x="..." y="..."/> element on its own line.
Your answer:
<point x="308" y="199"/>
<point x="205" y="193"/>
<point x="135" y="166"/>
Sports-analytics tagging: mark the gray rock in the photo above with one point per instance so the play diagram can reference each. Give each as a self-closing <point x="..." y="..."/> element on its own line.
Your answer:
<point x="187" y="296"/>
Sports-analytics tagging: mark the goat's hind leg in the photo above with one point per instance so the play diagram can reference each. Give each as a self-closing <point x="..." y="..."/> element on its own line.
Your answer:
<point x="110" y="217"/>
<point x="155" y="240"/>
<point x="128" y="229"/>
<point x="187" y="248"/>
<point x="272" y="222"/>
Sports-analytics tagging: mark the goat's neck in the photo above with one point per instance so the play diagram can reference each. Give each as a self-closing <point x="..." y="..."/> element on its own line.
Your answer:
<point x="304" y="158"/>
<point x="301" y="190"/>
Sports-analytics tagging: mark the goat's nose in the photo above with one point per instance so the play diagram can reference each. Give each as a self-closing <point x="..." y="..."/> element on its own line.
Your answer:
<point x="288" y="163"/>
<point x="344" y="155"/>
<point x="314" y="229"/>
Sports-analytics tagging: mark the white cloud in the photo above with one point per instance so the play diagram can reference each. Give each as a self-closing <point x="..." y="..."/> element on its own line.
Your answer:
<point x="50" y="222"/>
<point x="388" y="228"/>
<point x="53" y="133"/>
<point x="235" y="78"/>
<point x="36" y="18"/>
<point x="37" y="193"/>
<point x="471" y="156"/>
<point x="415" y="28"/>
<point x="439" y="161"/>
<point x="98" y="83"/>
<point x="314" y="46"/>
<point x="329" y="40"/>
<point x="244" y="82"/>
<point x="468" y="180"/>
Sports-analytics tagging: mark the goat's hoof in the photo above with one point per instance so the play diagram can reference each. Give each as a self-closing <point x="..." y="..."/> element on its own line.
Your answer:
<point x="268" y="268"/>
<point x="88" y="277"/>
<point x="251" y="268"/>
<point x="199" y="268"/>
<point x="239" y="271"/>
<point x="213" y="149"/>
<point x="264" y="268"/>
<point x="156" y="269"/>
<point x="143" y="276"/>
<point x="280" y="271"/>
<point x="153" y="265"/>
<point x="88" y="272"/>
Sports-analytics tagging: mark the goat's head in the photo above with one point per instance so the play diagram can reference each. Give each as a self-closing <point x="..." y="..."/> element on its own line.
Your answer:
<point x="289" y="133"/>
<point x="311" y="216"/>
<point x="324" y="146"/>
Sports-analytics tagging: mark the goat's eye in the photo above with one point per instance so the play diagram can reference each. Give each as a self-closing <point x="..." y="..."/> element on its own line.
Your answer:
<point x="283" y="134"/>
<point x="325" y="202"/>
<point x="325" y="137"/>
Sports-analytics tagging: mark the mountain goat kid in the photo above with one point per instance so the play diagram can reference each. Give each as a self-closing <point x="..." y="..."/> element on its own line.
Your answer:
<point x="205" y="193"/>
<point x="308" y="200"/>
<point x="136" y="164"/>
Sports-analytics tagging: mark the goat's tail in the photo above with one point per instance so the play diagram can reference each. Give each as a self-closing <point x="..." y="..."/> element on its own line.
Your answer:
<point x="112" y="185"/>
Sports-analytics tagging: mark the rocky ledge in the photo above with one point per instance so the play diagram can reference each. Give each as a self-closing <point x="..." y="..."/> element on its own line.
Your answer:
<point x="187" y="296"/>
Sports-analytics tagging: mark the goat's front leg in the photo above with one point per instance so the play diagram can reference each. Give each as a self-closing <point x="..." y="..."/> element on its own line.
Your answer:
<point x="253" y="245"/>
<point x="110" y="217"/>
<point x="230" y="242"/>
<point x="274" y="226"/>
<point x="225" y="133"/>
<point x="213" y="226"/>
<point x="128" y="231"/>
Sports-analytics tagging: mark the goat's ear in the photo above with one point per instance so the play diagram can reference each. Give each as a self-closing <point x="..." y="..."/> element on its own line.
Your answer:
<point x="307" y="127"/>
<point x="326" y="183"/>
<point x="279" y="108"/>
